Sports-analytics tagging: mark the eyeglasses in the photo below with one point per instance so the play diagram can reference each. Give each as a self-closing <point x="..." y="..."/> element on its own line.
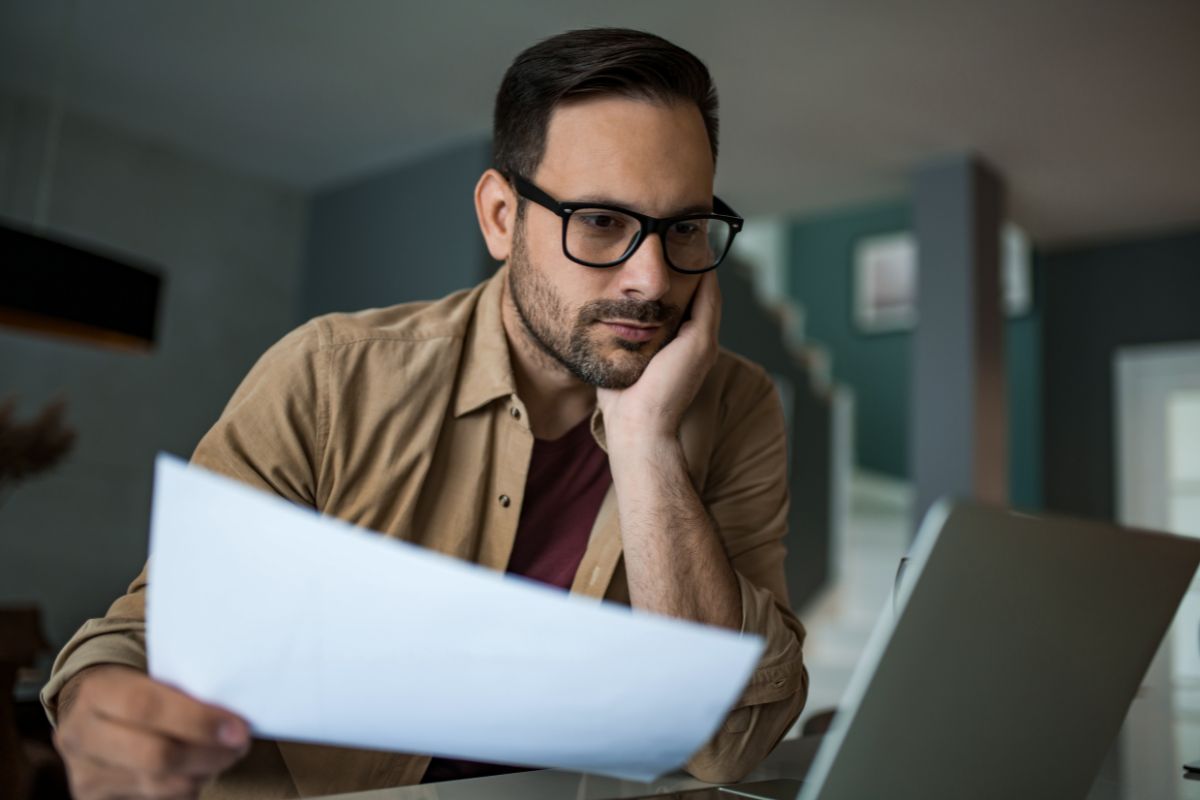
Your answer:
<point x="599" y="235"/>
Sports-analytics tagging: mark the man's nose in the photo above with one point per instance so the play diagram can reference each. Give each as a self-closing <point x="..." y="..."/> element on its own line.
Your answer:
<point x="646" y="275"/>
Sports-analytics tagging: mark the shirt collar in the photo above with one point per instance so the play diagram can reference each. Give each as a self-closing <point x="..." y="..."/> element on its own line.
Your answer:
<point x="485" y="372"/>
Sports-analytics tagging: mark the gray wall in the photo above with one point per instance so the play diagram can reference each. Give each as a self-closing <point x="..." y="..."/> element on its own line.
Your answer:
<point x="407" y="233"/>
<point x="230" y="248"/>
<point x="820" y="277"/>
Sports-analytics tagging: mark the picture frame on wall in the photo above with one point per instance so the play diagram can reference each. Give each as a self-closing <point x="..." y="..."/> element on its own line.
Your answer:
<point x="885" y="283"/>
<point x="885" y="280"/>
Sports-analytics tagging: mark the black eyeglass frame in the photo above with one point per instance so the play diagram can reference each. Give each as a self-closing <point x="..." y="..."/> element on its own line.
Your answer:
<point x="649" y="224"/>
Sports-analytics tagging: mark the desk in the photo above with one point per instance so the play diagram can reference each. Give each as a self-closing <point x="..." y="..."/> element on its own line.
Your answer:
<point x="790" y="759"/>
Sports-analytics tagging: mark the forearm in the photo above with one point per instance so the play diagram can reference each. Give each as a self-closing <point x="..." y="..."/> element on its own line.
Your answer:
<point x="674" y="560"/>
<point x="718" y="560"/>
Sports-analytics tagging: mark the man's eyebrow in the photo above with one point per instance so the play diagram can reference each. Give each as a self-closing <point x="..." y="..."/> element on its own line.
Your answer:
<point x="604" y="200"/>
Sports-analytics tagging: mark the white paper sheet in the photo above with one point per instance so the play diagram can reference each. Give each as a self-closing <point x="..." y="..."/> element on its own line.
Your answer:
<point x="314" y="630"/>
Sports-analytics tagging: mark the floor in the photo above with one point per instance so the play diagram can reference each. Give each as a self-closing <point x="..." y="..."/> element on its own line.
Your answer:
<point x="841" y="619"/>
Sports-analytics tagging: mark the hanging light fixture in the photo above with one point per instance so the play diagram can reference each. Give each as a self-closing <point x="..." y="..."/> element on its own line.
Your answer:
<point x="51" y="287"/>
<point x="54" y="286"/>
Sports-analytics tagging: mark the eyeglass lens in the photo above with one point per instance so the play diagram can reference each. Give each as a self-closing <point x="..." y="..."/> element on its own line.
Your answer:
<point x="602" y="236"/>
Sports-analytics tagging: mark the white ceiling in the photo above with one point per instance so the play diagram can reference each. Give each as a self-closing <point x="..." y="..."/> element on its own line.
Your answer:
<point x="1089" y="108"/>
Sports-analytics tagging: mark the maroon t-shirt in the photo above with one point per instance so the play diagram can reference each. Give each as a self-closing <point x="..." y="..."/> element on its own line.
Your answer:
<point x="568" y="478"/>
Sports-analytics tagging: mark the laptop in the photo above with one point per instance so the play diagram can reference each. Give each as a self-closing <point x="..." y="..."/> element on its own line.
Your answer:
<point x="1016" y="647"/>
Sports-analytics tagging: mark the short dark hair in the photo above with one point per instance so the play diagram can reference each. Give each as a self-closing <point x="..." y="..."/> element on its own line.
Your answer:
<point x="594" y="61"/>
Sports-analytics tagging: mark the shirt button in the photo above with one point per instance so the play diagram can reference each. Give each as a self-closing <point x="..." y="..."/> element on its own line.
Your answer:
<point x="516" y="412"/>
<point x="504" y="501"/>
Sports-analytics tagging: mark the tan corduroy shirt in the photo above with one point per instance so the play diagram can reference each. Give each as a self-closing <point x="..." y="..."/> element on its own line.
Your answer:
<point x="406" y="420"/>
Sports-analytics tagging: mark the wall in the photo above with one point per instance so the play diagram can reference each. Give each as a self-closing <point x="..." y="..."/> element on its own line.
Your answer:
<point x="1098" y="299"/>
<point x="1022" y="353"/>
<point x="408" y="233"/>
<point x="876" y="366"/>
<point x="230" y="249"/>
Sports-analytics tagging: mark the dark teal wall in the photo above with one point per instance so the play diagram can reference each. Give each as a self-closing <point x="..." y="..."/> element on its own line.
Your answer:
<point x="1023" y="352"/>
<point x="1099" y="299"/>
<point x="876" y="366"/>
<point x="820" y="273"/>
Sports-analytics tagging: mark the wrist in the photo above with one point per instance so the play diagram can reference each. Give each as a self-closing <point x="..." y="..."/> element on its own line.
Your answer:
<point x="632" y="449"/>
<point x="67" y="694"/>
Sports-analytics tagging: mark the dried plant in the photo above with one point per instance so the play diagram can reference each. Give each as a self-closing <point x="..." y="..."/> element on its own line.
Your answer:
<point x="34" y="446"/>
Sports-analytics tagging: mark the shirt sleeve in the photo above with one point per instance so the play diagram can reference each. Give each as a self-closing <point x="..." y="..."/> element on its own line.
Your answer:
<point x="746" y="494"/>
<point x="271" y="435"/>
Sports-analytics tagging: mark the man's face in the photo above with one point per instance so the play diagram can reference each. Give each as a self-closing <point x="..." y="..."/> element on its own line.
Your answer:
<point x="604" y="325"/>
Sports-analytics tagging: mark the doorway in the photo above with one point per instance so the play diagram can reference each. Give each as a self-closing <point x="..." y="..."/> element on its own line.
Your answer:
<point x="1157" y="406"/>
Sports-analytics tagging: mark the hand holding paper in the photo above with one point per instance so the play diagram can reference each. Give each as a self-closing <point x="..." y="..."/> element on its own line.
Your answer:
<point x="316" y="631"/>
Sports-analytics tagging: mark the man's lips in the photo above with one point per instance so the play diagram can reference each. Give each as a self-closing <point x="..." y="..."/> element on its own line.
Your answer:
<point x="634" y="332"/>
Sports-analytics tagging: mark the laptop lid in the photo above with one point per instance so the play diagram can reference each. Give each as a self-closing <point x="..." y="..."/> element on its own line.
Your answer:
<point x="1017" y="646"/>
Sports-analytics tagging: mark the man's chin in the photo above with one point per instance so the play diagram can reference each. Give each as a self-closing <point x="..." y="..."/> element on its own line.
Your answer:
<point x="615" y="380"/>
<point x="610" y="362"/>
<point x="631" y="346"/>
<point x="622" y="370"/>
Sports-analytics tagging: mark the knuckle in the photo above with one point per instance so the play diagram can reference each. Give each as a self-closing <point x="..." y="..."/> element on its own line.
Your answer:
<point x="143" y="704"/>
<point x="82" y="789"/>
<point x="70" y="741"/>
<point x="160" y="756"/>
<point x="87" y="784"/>
<point x="65" y="740"/>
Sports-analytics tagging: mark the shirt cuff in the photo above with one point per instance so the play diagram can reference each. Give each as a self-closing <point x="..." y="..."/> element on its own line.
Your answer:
<point x="780" y="672"/>
<point x="99" y="641"/>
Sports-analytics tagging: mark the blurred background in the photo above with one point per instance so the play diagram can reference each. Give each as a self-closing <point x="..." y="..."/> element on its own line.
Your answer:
<point x="972" y="262"/>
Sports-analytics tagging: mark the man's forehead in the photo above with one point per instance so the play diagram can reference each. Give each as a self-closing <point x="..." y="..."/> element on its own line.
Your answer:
<point x="641" y="152"/>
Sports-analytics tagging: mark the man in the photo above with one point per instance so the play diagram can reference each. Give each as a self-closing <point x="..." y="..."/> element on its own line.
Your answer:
<point x="571" y="420"/>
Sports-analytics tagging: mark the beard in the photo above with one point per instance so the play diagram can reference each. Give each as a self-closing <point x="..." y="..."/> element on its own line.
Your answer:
<point x="576" y="344"/>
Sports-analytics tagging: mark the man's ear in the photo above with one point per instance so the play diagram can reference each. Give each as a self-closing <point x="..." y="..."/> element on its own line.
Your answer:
<point x="496" y="209"/>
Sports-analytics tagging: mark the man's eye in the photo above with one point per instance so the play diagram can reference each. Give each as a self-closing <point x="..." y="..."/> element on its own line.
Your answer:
<point x="690" y="228"/>
<point x="602" y="222"/>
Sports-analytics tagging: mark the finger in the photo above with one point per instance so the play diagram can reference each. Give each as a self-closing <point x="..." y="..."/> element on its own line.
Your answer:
<point x="143" y="752"/>
<point x="706" y="314"/>
<point x="706" y="303"/>
<point x="92" y="780"/>
<point x="141" y="702"/>
<point x="712" y="298"/>
<point x="717" y="300"/>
